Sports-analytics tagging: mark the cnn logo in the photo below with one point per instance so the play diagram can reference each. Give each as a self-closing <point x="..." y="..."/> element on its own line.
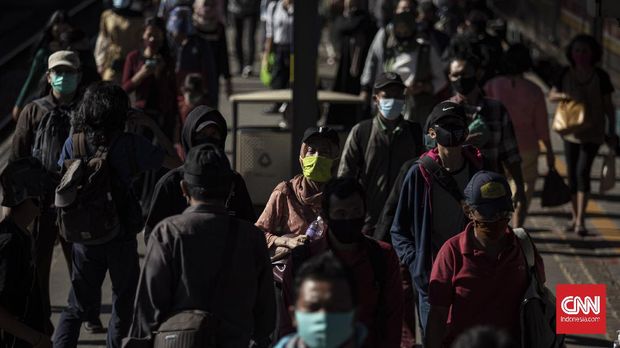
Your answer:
<point x="575" y="304"/>
<point x="580" y="308"/>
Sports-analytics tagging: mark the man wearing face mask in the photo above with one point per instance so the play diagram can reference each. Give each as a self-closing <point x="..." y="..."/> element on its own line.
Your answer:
<point x="429" y="208"/>
<point x="64" y="76"/>
<point x="491" y="129"/>
<point x="203" y="125"/>
<point x="480" y="271"/>
<point x="396" y="48"/>
<point x="324" y="308"/>
<point x="377" y="148"/>
<point x="373" y="265"/>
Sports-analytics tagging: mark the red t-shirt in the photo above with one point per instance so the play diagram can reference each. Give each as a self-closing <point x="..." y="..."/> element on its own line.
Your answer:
<point x="478" y="290"/>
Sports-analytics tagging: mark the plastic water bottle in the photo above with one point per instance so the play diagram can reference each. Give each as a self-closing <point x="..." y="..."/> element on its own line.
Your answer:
<point x="316" y="228"/>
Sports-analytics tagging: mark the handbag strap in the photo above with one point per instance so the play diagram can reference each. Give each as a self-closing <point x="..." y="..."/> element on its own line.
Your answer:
<point x="526" y="245"/>
<point x="231" y="238"/>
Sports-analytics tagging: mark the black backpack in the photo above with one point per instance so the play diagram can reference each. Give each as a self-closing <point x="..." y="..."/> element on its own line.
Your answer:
<point x="88" y="213"/>
<point x="51" y="134"/>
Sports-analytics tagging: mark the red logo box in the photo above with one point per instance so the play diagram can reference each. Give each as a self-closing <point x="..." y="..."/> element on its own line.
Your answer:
<point x="580" y="308"/>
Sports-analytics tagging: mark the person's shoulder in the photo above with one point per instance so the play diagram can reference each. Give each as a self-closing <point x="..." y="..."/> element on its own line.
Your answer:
<point x="171" y="178"/>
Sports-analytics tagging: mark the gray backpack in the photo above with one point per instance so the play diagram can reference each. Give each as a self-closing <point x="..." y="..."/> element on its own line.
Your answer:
<point x="51" y="134"/>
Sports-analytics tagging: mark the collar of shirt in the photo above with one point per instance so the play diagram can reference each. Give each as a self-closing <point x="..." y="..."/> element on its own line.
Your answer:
<point x="380" y="123"/>
<point x="468" y="245"/>
<point x="206" y="208"/>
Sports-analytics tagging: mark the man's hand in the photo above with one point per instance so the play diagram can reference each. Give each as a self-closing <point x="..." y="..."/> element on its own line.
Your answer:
<point x="15" y="113"/>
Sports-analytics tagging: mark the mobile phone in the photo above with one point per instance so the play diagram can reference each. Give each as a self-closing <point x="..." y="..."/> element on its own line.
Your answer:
<point x="150" y="62"/>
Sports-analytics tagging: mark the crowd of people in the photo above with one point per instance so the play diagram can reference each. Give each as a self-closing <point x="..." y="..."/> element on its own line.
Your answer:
<point x="409" y="225"/>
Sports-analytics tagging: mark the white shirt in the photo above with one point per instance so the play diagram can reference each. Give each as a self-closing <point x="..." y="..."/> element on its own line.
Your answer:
<point x="279" y="24"/>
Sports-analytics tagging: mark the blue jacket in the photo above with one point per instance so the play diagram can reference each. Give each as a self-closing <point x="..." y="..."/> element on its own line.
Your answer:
<point x="412" y="226"/>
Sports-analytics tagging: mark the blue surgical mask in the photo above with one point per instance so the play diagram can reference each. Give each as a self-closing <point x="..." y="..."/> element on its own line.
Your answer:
<point x="324" y="329"/>
<point x="391" y="108"/>
<point x="64" y="83"/>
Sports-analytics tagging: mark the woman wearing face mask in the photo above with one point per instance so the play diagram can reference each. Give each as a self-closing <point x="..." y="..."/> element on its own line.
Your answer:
<point x="480" y="275"/>
<point x="293" y="206"/>
<point x="296" y="203"/>
<point x="590" y="85"/>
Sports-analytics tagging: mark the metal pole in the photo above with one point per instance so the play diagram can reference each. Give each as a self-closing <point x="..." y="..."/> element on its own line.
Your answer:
<point x="306" y="33"/>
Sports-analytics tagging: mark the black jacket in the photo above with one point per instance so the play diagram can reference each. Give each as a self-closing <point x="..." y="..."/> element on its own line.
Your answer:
<point x="167" y="197"/>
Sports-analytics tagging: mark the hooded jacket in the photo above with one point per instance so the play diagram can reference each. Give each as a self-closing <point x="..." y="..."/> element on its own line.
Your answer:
<point x="168" y="199"/>
<point x="412" y="227"/>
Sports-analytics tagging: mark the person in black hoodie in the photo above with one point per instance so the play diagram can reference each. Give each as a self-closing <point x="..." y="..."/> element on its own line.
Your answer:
<point x="203" y="125"/>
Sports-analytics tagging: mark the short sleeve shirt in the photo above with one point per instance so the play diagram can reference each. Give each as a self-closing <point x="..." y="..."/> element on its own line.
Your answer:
<point x="478" y="289"/>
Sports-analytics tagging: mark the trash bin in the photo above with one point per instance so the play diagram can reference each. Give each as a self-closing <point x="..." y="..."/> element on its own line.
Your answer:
<point x="263" y="159"/>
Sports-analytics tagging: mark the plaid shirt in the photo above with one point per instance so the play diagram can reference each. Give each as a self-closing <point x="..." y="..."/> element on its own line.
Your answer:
<point x="502" y="147"/>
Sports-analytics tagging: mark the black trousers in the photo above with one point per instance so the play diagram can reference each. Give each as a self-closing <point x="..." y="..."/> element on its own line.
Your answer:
<point x="579" y="159"/>
<point x="240" y="22"/>
<point x="282" y="66"/>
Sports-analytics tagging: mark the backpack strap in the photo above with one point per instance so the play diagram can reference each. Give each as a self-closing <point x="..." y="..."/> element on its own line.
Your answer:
<point x="79" y="145"/>
<point x="526" y="245"/>
<point x="441" y="176"/>
<point x="44" y="103"/>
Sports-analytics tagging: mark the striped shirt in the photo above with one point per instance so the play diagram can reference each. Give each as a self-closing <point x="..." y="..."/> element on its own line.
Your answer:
<point x="502" y="147"/>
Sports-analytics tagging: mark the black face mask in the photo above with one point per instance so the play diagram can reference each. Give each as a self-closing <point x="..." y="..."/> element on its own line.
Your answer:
<point x="405" y="19"/>
<point x="464" y="85"/>
<point x="347" y="231"/>
<point x="451" y="135"/>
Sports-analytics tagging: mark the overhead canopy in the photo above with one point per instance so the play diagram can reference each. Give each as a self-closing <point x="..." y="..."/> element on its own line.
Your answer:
<point x="286" y="96"/>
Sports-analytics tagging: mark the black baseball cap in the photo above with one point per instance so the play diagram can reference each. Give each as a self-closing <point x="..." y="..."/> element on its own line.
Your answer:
<point x="489" y="193"/>
<point x="443" y="110"/>
<point x="207" y="166"/>
<point x="323" y="132"/>
<point x="388" y="78"/>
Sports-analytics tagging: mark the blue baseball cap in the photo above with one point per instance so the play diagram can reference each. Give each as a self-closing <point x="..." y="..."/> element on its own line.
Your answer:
<point x="489" y="193"/>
